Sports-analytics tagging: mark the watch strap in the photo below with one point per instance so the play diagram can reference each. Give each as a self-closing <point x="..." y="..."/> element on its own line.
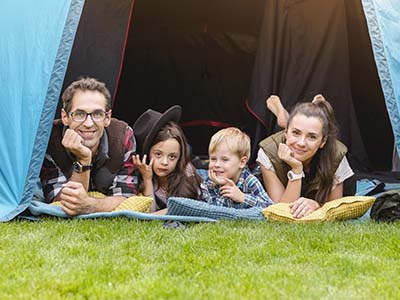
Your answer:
<point x="79" y="168"/>
<point x="292" y="176"/>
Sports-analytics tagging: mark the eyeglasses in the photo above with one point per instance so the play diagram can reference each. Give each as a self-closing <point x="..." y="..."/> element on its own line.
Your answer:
<point x="97" y="115"/>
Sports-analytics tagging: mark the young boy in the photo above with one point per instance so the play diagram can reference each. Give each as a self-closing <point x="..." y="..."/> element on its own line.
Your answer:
<point x="229" y="182"/>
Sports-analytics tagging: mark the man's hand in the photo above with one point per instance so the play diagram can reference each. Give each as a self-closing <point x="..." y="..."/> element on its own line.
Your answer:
<point x="230" y="190"/>
<point x="145" y="169"/>
<point x="75" y="200"/>
<point x="73" y="142"/>
<point x="303" y="207"/>
<point x="285" y="154"/>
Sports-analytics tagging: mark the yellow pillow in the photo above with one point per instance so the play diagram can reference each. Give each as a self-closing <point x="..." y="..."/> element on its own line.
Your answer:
<point x="134" y="203"/>
<point x="340" y="209"/>
<point x="95" y="194"/>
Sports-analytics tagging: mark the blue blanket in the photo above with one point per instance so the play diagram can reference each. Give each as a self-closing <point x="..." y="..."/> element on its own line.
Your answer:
<point x="39" y="208"/>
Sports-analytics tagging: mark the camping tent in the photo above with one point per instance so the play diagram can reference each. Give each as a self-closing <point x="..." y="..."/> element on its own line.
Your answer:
<point x="209" y="57"/>
<point x="35" y="43"/>
<point x="311" y="47"/>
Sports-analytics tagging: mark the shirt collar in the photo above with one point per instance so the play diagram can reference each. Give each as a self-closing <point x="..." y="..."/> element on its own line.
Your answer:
<point x="242" y="178"/>
<point x="102" y="152"/>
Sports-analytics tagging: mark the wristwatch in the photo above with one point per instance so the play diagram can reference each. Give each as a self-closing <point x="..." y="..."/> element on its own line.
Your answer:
<point x="292" y="176"/>
<point x="79" y="168"/>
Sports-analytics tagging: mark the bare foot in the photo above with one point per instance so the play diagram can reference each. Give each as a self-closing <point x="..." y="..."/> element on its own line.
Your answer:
<point x="274" y="104"/>
<point x="318" y="98"/>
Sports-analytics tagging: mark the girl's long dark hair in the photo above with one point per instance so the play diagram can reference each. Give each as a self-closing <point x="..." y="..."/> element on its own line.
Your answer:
<point x="184" y="180"/>
<point x="322" y="164"/>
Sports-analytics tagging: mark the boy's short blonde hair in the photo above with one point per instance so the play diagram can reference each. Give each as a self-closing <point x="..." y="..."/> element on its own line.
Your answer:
<point x="236" y="140"/>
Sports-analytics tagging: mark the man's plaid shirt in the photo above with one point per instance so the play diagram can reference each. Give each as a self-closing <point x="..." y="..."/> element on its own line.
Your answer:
<point x="124" y="183"/>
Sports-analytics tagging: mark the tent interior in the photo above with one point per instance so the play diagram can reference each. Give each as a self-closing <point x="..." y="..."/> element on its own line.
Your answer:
<point x="202" y="55"/>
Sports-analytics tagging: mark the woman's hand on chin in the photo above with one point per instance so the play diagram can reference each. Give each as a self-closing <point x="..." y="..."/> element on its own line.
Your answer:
<point x="285" y="154"/>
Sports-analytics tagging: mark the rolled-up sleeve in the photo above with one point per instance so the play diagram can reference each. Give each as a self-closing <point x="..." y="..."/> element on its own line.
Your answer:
<point x="51" y="178"/>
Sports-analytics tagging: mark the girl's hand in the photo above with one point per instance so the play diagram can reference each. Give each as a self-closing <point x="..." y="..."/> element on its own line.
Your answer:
<point x="215" y="179"/>
<point x="230" y="190"/>
<point x="145" y="169"/>
<point x="303" y="207"/>
<point x="286" y="155"/>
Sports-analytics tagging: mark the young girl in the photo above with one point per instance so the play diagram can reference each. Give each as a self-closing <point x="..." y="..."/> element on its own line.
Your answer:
<point x="169" y="172"/>
<point x="305" y="164"/>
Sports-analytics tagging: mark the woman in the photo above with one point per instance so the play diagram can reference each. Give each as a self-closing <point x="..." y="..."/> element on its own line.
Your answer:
<point x="305" y="164"/>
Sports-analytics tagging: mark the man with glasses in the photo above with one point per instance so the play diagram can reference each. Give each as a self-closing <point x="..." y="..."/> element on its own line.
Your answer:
<point x="88" y="151"/>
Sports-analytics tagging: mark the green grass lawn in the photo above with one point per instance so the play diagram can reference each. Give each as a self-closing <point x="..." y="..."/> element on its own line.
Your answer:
<point x="129" y="259"/>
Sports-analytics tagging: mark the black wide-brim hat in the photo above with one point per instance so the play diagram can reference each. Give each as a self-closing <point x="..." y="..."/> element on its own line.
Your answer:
<point x="149" y="124"/>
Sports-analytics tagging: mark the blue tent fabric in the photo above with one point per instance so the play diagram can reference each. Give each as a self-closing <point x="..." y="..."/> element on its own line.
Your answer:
<point x="36" y="39"/>
<point x="383" y="24"/>
<point x="367" y="187"/>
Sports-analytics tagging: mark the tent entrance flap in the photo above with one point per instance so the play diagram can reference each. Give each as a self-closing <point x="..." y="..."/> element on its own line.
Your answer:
<point x="33" y="63"/>
<point x="383" y="23"/>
